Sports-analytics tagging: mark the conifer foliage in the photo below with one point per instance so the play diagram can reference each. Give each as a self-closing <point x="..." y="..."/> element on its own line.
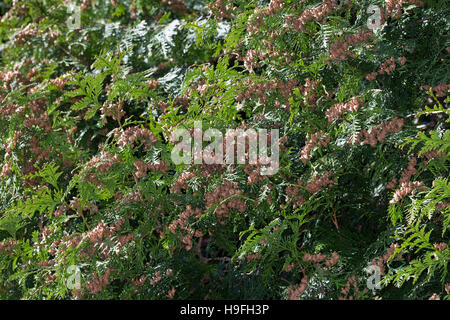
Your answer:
<point x="93" y="207"/>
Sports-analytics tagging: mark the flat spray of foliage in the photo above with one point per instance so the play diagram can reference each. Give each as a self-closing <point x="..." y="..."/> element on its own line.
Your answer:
<point x="87" y="183"/>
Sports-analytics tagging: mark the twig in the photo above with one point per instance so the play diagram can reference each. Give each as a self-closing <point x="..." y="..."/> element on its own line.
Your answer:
<point x="334" y="218"/>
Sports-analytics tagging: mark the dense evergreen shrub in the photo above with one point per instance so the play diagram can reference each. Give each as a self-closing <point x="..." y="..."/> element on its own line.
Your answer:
<point x="88" y="185"/>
